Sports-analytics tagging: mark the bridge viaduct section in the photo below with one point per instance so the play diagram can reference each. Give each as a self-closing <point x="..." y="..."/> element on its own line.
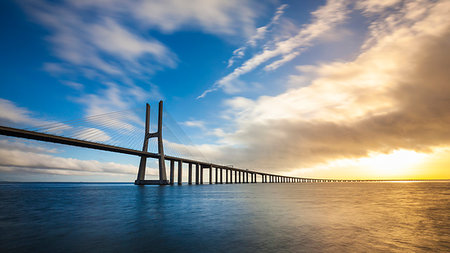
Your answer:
<point x="223" y="174"/>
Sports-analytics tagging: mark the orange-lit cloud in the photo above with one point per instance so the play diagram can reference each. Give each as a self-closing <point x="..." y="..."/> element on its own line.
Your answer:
<point x="395" y="95"/>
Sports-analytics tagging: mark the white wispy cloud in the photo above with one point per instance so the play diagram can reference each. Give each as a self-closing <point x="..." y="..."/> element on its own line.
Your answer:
<point x="14" y="115"/>
<point x="114" y="98"/>
<point x="101" y="44"/>
<point x="194" y="123"/>
<point x="259" y="35"/>
<point x="116" y="40"/>
<point x="323" y="20"/>
<point x="73" y="85"/>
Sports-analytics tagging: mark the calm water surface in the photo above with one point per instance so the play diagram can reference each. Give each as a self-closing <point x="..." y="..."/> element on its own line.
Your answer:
<point x="308" y="217"/>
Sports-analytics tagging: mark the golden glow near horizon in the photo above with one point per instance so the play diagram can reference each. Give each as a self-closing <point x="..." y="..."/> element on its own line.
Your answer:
<point x="399" y="164"/>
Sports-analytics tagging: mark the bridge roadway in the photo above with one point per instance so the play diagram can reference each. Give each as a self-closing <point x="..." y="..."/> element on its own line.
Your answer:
<point x="240" y="175"/>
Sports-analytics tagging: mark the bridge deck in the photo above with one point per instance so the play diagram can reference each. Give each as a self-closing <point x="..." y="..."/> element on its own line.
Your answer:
<point x="15" y="132"/>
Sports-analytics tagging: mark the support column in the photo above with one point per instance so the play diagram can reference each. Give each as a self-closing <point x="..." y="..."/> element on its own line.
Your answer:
<point x="235" y="176"/>
<point x="172" y="171"/>
<point x="210" y="175"/>
<point x="162" y="163"/>
<point x="190" y="173"/>
<point x="231" y="176"/>
<point x="143" y="162"/>
<point x="201" y="174"/>
<point x="197" y="172"/>
<point x="180" y="172"/>
<point x="221" y="176"/>
<point x="226" y="176"/>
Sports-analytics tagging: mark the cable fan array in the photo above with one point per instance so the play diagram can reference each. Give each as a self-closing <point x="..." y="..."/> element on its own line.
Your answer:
<point x="125" y="128"/>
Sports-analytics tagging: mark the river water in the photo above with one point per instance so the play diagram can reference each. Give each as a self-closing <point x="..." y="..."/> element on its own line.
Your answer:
<point x="306" y="217"/>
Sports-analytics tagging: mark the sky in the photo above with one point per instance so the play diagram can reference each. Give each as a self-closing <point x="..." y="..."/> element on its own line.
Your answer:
<point x="328" y="89"/>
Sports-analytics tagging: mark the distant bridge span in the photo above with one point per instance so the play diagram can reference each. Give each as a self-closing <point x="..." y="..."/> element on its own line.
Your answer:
<point x="240" y="175"/>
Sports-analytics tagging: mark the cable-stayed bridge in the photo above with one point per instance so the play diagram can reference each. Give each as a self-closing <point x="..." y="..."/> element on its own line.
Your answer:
<point x="123" y="132"/>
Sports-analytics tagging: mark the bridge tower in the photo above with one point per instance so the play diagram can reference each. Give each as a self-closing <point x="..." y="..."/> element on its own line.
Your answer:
<point x="158" y="134"/>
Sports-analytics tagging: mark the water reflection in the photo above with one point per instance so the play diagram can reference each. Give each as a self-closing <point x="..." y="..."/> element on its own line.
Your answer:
<point x="311" y="217"/>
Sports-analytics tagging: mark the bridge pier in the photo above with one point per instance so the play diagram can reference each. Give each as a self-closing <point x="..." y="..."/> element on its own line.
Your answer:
<point x="190" y="173"/>
<point x="201" y="174"/>
<point x="226" y="176"/>
<point x="221" y="176"/>
<point x="210" y="174"/>
<point x="231" y="176"/>
<point x="172" y="165"/>
<point x="143" y="162"/>
<point x="235" y="177"/>
<point x="197" y="172"/>
<point x="180" y="172"/>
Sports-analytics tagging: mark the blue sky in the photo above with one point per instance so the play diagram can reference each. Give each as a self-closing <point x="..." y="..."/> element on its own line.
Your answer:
<point x="294" y="87"/>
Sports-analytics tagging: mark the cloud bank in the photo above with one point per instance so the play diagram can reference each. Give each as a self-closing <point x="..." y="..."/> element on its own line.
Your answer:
<point x="393" y="95"/>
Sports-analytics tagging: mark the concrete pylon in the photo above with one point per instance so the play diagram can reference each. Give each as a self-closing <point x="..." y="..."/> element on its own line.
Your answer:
<point x="158" y="134"/>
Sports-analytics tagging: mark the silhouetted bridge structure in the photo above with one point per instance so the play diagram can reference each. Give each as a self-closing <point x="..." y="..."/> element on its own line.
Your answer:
<point x="232" y="175"/>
